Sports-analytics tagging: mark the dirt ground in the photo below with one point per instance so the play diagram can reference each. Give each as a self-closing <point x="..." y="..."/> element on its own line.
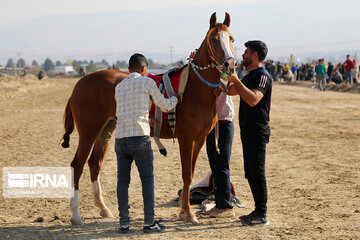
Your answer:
<point x="313" y="170"/>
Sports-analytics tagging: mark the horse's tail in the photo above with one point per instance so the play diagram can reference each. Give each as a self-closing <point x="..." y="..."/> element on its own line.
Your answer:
<point x="68" y="125"/>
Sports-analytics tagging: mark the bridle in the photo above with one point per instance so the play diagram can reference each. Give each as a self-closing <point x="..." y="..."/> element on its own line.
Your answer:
<point x="213" y="62"/>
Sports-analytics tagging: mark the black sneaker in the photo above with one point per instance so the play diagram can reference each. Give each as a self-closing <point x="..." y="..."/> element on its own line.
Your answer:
<point x="244" y="217"/>
<point x="123" y="229"/>
<point x="155" y="227"/>
<point x="255" y="219"/>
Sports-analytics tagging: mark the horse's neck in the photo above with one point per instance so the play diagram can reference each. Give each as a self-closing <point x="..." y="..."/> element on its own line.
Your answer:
<point x="202" y="59"/>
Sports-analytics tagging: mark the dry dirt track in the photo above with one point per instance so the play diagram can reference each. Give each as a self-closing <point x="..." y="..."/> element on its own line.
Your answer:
<point x="313" y="170"/>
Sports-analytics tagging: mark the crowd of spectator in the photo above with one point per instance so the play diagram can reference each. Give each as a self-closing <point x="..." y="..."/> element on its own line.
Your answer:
<point x="347" y="72"/>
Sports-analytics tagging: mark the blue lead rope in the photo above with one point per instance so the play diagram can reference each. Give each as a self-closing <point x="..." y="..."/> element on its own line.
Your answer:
<point x="213" y="85"/>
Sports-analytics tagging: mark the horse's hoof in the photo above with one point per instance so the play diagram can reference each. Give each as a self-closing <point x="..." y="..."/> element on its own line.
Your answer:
<point x="192" y="218"/>
<point x="76" y="221"/>
<point x="105" y="213"/>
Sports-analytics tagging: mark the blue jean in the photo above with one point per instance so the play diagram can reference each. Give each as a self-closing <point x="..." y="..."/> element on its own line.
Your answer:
<point x="320" y="78"/>
<point x="138" y="149"/>
<point x="219" y="163"/>
<point x="348" y="76"/>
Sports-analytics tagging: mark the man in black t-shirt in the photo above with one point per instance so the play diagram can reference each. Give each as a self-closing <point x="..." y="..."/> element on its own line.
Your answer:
<point x="255" y="93"/>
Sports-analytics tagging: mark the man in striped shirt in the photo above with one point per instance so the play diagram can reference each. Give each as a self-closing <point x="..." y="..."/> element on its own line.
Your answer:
<point x="134" y="96"/>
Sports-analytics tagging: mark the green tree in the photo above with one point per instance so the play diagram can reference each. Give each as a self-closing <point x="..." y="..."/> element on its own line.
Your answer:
<point x="91" y="67"/>
<point x="151" y="63"/>
<point x="105" y="62"/>
<point x="121" y="64"/>
<point x="10" y="63"/>
<point x="75" y="63"/>
<point x="20" y="63"/>
<point x="48" y="65"/>
<point x="58" y="63"/>
<point x="35" y="63"/>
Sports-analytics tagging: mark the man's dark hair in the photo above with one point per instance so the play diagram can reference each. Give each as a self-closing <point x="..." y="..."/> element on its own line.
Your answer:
<point x="347" y="55"/>
<point x="137" y="61"/>
<point x="259" y="47"/>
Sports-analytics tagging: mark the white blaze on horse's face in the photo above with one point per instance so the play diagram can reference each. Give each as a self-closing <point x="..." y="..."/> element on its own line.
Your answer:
<point x="225" y="45"/>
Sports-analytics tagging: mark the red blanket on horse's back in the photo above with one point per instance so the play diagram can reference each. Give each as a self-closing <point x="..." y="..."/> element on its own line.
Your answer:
<point x="175" y="82"/>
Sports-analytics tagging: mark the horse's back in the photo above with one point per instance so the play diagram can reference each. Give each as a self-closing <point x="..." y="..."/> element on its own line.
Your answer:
<point x="93" y="96"/>
<point x="99" y="80"/>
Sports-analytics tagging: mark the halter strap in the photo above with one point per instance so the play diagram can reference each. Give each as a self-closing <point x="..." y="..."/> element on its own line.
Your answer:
<point x="213" y="85"/>
<point x="209" y="48"/>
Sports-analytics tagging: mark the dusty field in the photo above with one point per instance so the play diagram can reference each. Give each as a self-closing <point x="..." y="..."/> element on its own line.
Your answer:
<point x="313" y="170"/>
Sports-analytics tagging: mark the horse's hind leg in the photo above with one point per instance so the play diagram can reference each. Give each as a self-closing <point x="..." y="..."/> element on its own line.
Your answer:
<point x="80" y="158"/>
<point x="95" y="162"/>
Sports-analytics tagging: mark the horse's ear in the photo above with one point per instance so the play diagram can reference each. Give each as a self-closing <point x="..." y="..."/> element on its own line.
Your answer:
<point x="213" y="20"/>
<point x="227" y="20"/>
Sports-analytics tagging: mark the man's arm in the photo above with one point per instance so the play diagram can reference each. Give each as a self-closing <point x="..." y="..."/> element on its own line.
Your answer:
<point x="251" y="96"/>
<point x="165" y="104"/>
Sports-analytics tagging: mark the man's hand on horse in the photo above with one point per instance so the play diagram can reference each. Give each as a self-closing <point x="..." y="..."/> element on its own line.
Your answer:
<point x="217" y="91"/>
<point x="191" y="56"/>
<point x="233" y="78"/>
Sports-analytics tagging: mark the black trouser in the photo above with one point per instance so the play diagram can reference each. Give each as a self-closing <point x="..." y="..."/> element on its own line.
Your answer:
<point x="254" y="151"/>
<point x="219" y="163"/>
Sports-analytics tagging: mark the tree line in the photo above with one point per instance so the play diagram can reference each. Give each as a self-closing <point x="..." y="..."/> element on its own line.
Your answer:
<point x="91" y="66"/>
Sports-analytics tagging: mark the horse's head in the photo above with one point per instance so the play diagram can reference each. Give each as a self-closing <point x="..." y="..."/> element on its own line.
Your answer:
<point x="219" y="44"/>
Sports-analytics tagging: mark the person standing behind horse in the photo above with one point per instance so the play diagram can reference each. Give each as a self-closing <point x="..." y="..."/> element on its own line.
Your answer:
<point x="133" y="98"/>
<point x="220" y="160"/>
<point x="255" y="100"/>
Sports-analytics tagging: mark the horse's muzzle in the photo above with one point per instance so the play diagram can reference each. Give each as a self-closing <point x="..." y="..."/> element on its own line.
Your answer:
<point x="229" y="66"/>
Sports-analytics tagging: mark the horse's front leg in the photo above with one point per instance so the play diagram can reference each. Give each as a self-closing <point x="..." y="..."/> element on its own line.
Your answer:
<point x="186" y="153"/>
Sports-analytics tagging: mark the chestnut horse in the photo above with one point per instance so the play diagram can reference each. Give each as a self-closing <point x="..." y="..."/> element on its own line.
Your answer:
<point x="92" y="107"/>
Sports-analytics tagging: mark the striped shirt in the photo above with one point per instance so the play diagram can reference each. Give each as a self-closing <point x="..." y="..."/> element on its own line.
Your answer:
<point x="134" y="96"/>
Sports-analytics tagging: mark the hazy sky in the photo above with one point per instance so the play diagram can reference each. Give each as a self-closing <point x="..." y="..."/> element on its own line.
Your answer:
<point x="50" y="28"/>
<point x="19" y="10"/>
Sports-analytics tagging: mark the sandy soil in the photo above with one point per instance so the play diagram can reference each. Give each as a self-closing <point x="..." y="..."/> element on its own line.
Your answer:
<point x="313" y="170"/>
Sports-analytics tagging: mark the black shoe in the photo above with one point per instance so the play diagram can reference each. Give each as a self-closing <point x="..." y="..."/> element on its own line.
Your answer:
<point x="255" y="219"/>
<point x="123" y="229"/>
<point x="155" y="227"/>
<point x="245" y="217"/>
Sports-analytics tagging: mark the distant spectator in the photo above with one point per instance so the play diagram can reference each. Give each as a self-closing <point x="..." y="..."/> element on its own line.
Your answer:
<point x="310" y="73"/>
<point x="355" y="72"/>
<point x="241" y="70"/>
<point x="294" y="69"/>
<point x="272" y="69"/>
<point x="181" y="63"/>
<point x="302" y="72"/>
<point x="267" y="66"/>
<point x="82" y="72"/>
<point x="279" y="69"/>
<point x="348" y="66"/>
<point x="320" y="71"/>
<point x="330" y="70"/>
<point x="287" y="74"/>
<point x="41" y="74"/>
<point x="336" y="76"/>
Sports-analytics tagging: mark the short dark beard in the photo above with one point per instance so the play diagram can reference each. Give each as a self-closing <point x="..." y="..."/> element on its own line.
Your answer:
<point x="245" y="63"/>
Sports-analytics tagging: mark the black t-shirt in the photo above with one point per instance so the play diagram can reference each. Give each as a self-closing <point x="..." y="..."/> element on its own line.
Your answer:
<point x="255" y="120"/>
